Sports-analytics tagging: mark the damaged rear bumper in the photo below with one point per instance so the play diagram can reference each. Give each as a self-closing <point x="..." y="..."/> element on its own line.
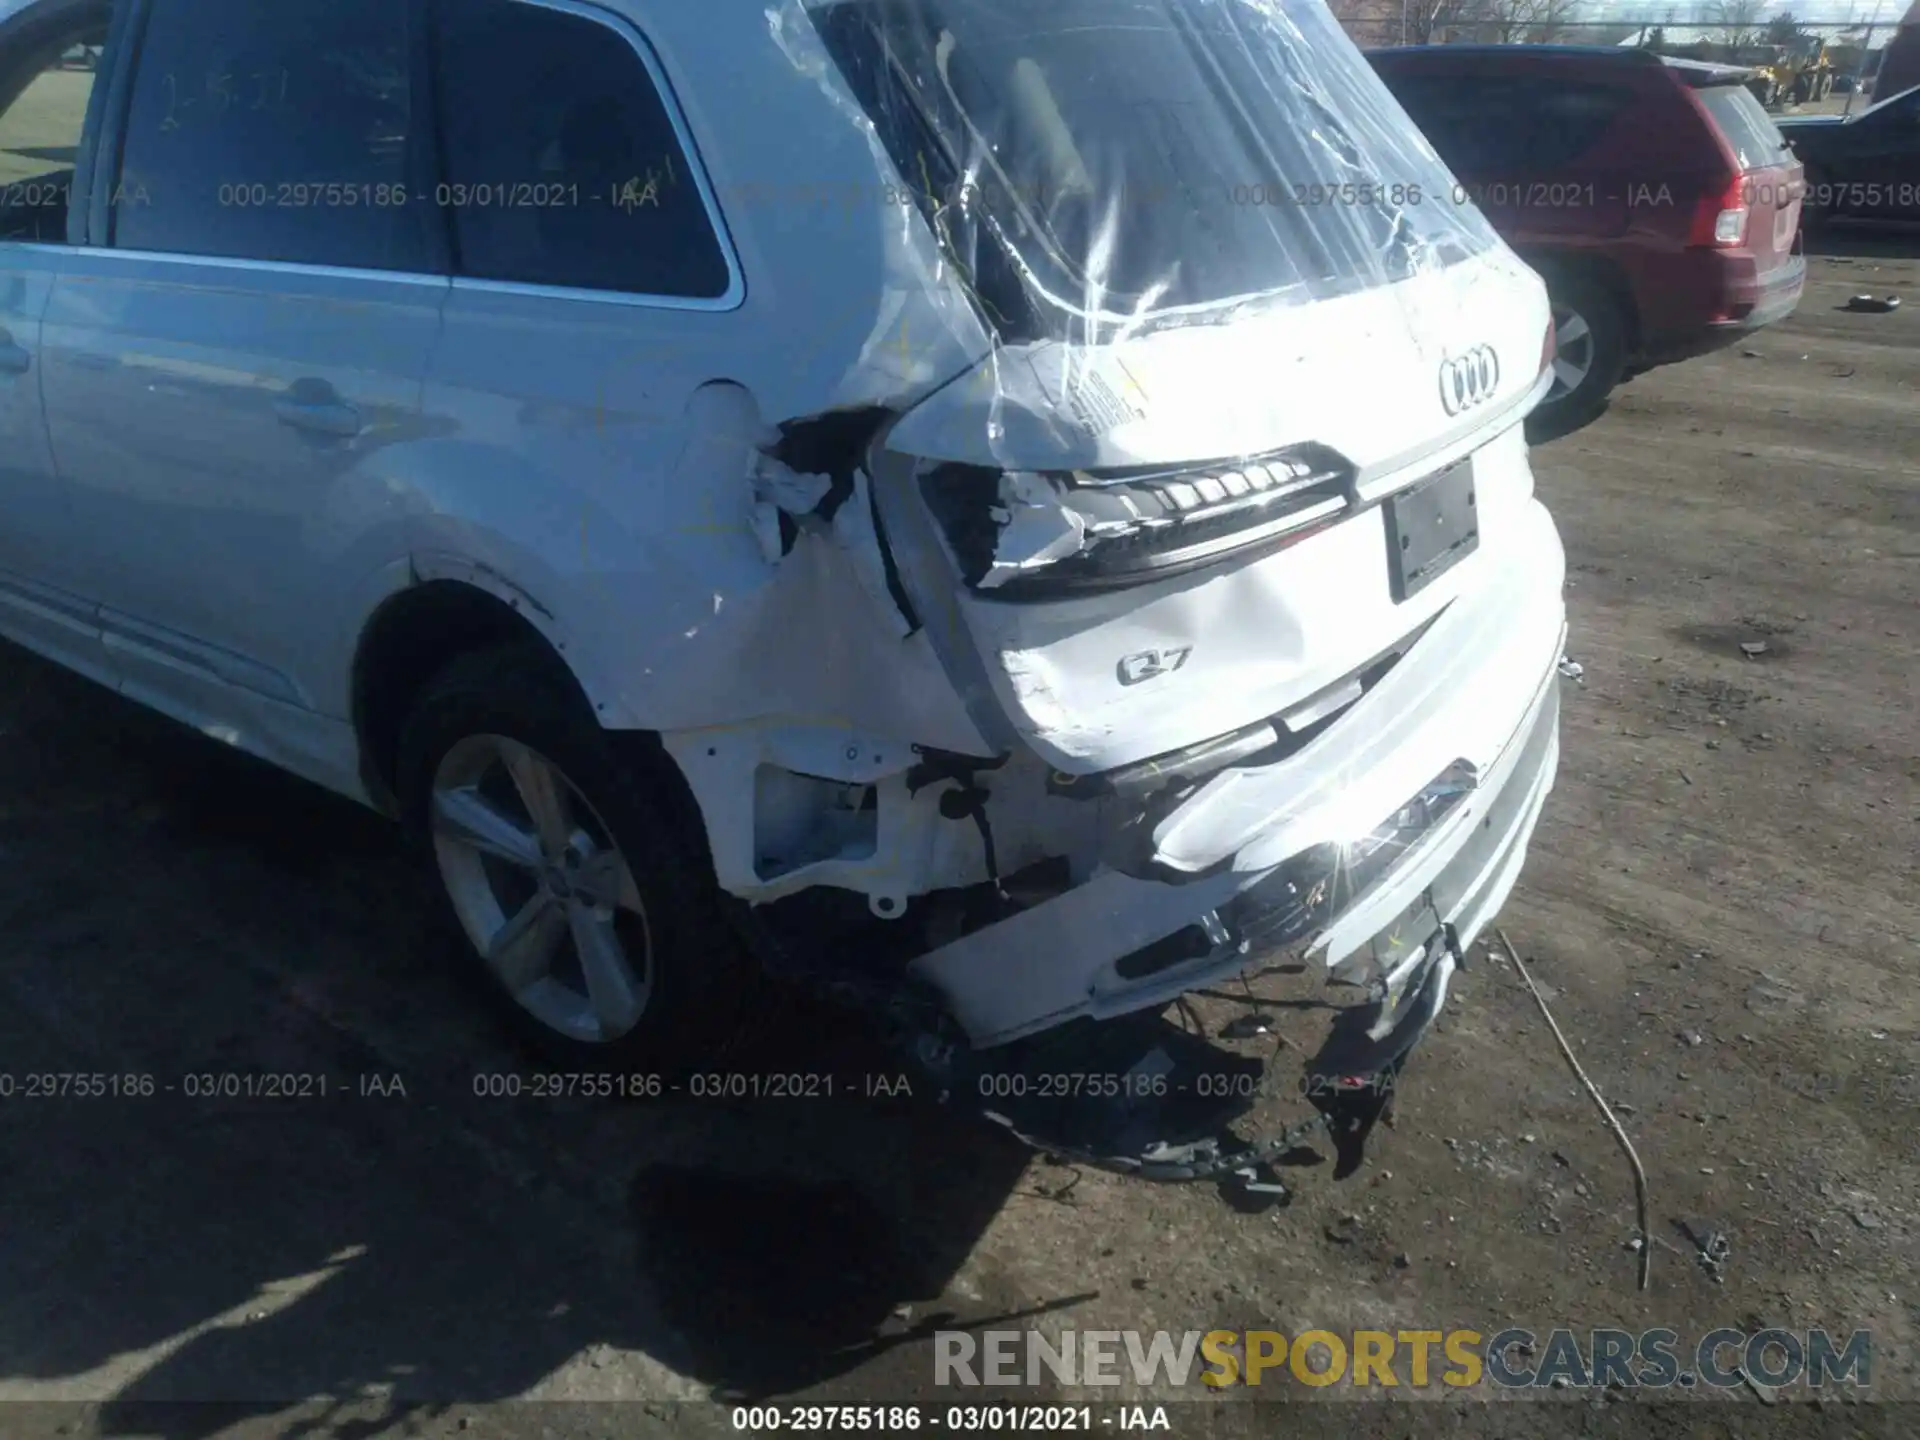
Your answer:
<point x="1424" y="794"/>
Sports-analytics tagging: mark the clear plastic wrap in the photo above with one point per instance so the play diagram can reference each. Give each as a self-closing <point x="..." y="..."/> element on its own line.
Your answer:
<point x="1095" y="167"/>
<point x="1117" y="326"/>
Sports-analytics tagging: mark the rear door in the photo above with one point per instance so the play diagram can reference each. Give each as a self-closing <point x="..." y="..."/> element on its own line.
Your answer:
<point x="1772" y="186"/>
<point x="234" y="359"/>
<point x="43" y="109"/>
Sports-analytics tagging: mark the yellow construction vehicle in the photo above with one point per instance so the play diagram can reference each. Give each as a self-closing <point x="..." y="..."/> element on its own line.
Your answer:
<point x="1811" y="70"/>
<point x="1799" y="72"/>
<point x="1770" y="65"/>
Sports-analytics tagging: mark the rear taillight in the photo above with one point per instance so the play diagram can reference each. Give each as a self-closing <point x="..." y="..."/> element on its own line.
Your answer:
<point x="1721" y="219"/>
<point x="1032" y="535"/>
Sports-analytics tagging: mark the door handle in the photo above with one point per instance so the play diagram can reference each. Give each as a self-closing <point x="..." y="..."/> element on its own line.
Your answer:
<point x="316" y="406"/>
<point x="13" y="359"/>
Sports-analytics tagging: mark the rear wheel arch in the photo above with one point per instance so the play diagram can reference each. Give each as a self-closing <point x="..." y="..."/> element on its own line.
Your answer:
<point x="1593" y="360"/>
<point x="412" y="637"/>
<point x="635" y="869"/>
<point x="1600" y="272"/>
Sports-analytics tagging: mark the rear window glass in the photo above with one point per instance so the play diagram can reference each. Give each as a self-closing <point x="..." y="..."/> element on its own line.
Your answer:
<point x="1107" y="163"/>
<point x="1755" y="139"/>
<point x="1506" y="123"/>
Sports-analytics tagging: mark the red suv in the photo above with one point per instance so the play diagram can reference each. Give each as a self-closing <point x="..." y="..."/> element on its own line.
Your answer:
<point x="1655" y="196"/>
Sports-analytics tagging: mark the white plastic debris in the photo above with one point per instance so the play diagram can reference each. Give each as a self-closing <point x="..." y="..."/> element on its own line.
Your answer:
<point x="1572" y="668"/>
<point x="778" y="487"/>
<point x="1039" y="529"/>
<point x="787" y="488"/>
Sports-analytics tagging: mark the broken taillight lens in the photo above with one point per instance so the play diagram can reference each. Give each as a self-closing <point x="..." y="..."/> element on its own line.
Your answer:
<point x="1028" y="534"/>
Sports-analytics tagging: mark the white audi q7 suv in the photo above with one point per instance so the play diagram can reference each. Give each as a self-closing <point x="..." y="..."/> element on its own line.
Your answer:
<point x="1009" y="512"/>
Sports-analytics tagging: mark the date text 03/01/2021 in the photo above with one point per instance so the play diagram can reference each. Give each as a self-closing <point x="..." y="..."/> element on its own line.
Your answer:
<point x="960" y="1419"/>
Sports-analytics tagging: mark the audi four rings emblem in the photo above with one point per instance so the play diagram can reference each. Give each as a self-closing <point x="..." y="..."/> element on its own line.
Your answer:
<point x="1466" y="380"/>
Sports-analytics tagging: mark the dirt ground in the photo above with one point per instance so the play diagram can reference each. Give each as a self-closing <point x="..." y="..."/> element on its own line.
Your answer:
<point x="1721" y="905"/>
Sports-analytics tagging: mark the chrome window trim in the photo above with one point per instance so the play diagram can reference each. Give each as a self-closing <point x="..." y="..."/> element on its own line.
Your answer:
<point x="240" y="262"/>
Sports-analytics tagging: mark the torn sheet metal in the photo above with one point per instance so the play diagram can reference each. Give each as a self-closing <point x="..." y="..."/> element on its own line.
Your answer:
<point x="758" y="607"/>
<point x="786" y="489"/>
<point x="859" y="541"/>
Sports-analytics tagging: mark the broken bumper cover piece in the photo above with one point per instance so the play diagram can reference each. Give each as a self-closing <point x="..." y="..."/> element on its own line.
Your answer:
<point x="1137" y="1096"/>
<point x="1445" y="773"/>
<point x="1140" y="1097"/>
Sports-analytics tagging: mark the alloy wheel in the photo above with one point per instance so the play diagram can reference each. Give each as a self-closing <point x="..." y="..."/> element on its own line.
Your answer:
<point x="1573" y="352"/>
<point x="541" y="888"/>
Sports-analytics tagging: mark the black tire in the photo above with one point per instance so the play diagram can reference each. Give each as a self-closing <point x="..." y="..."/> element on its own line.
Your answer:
<point x="699" y="977"/>
<point x="1603" y="355"/>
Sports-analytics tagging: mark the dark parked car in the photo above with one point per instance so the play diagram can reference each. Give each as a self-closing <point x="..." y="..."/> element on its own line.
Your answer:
<point x="1654" y="194"/>
<point x="1867" y="164"/>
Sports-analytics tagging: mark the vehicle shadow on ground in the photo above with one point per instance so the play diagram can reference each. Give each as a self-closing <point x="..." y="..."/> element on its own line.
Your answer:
<point x="171" y="908"/>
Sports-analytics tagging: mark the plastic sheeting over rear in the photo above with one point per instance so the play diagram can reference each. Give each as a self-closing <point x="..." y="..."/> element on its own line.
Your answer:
<point x="1098" y="168"/>
<point x="1212" y="276"/>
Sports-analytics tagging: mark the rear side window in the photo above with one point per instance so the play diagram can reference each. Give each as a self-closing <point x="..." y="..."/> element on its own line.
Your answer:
<point x="562" y="166"/>
<point x="1755" y="139"/>
<point x="1494" y="123"/>
<point x="273" y="132"/>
